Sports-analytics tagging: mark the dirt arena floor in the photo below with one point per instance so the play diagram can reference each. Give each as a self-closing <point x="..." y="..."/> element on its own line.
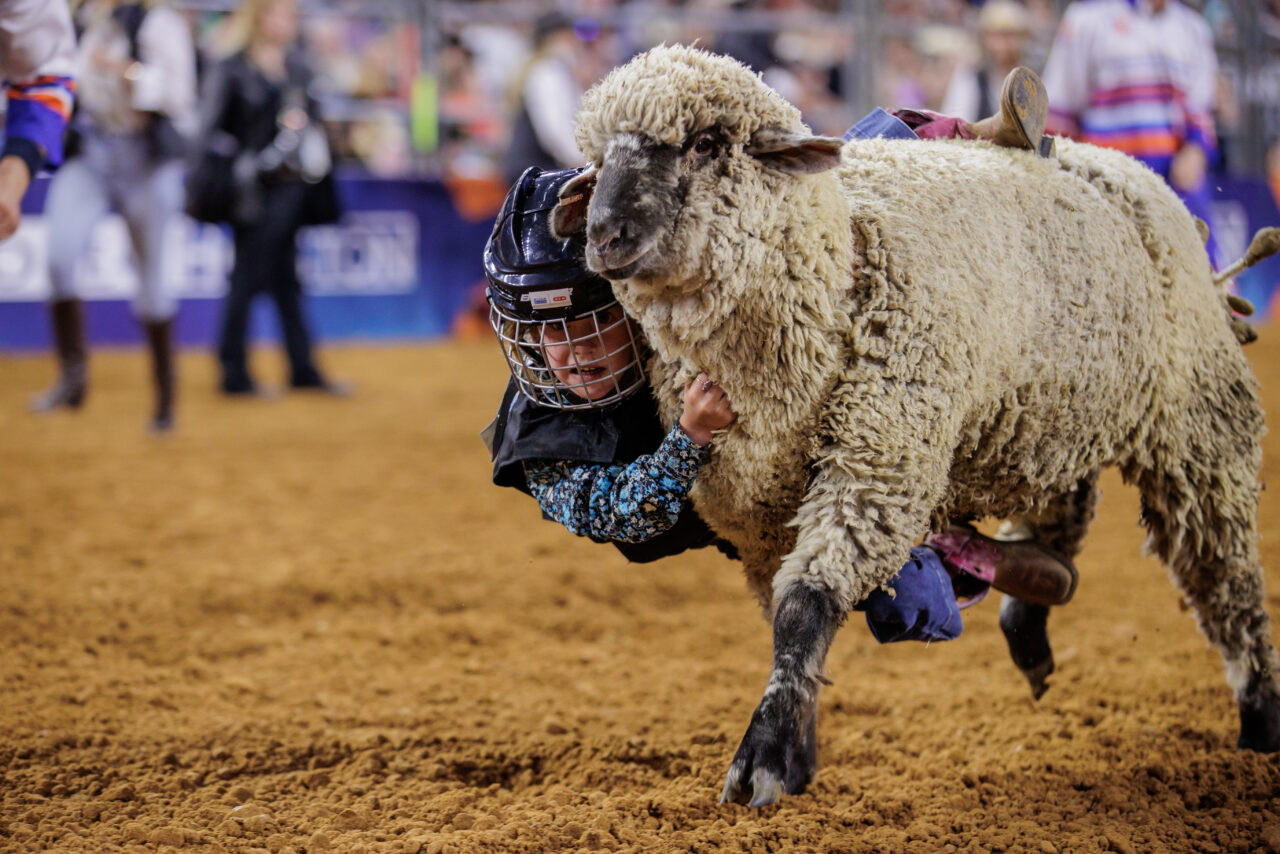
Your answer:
<point x="312" y="625"/>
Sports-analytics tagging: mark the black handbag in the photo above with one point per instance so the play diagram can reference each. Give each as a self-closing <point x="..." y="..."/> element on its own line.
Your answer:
<point x="320" y="203"/>
<point x="211" y="187"/>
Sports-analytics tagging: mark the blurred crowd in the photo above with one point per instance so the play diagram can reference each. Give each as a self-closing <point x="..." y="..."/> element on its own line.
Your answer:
<point x="498" y="65"/>
<point x="945" y="55"/>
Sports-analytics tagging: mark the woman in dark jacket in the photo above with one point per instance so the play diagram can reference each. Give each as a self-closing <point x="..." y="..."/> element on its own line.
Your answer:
<point x="257" y="114"/>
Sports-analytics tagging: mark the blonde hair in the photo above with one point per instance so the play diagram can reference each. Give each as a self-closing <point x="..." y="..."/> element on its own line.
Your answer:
<point x="238" y="30"/>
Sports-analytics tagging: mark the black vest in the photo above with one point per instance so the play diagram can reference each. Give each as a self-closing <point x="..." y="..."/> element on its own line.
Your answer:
<point x="525" y="149"/>
<point x="523" y="431"/>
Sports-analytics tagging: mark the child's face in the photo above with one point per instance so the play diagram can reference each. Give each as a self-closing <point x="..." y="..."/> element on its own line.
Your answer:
<point x="590" y="360"/>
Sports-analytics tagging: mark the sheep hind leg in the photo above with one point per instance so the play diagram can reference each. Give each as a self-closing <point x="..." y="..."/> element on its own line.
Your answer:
<point x="1200" y="511"/>
<point x="1061" y="526"/>
<point x="779" y="752"/>
<point x="1025" y="627"/>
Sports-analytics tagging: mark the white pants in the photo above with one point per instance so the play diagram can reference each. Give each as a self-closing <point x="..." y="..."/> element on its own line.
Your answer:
<point x="113" y="174"/>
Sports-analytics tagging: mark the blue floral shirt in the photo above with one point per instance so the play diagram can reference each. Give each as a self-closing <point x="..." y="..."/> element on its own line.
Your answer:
<point x="624" y="503"/>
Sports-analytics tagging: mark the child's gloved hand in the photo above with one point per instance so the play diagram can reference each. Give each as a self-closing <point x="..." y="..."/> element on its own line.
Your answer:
<point x="706" y="408"/>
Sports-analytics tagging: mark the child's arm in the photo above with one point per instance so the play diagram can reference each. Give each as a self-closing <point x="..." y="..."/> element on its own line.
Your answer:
<point x="626" y="503"/>
<point x="636" y="502"/>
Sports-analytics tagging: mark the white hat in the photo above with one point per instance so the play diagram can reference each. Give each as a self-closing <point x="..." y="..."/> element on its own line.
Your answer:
<point x="1004" y="15"/>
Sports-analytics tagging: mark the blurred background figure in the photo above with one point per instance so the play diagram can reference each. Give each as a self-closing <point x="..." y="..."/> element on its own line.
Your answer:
<point x="753" y="48"/>
<point x="256" y="107"/>
<point x="1004" y="33"/>
<point x="545" y="95"/>
<point x="136" y="110"/>
<point x="37" y="59"/>
<point x="899" y="82"/>
<point x="941" y="49"/>
<point x="1140" y="77"/>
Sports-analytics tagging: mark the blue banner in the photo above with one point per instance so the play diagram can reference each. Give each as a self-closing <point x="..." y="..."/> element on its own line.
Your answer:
<point x="402" y="263"/>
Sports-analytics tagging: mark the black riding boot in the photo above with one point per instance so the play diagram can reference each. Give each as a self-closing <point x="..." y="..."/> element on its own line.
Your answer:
<point x="68" y="340"/>
<point x="160" y="342"/>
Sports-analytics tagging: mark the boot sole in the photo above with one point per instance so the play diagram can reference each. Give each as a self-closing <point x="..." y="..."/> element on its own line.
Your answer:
<point x="1025" y="101"/>
<point x="1035" y="597"/>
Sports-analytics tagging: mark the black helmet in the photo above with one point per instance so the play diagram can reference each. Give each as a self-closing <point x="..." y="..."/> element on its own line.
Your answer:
<point x="567" y="341"/>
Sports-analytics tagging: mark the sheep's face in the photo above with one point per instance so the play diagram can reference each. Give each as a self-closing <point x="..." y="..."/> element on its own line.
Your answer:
<point x="650" y="209"/>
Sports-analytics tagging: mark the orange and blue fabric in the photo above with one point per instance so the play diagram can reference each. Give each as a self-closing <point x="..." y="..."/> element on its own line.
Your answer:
<point x="37" y="115"/>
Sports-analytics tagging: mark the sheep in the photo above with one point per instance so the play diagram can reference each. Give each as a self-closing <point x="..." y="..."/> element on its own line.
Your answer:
<point x="912" y="333"/>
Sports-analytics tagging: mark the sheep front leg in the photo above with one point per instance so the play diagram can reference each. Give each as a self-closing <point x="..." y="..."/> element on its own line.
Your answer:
<point x="779" y="753"/>
<point x="867" y="499"/>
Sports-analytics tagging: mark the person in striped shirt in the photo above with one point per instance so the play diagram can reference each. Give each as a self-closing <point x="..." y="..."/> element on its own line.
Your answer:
<point x="1139" y="76"/>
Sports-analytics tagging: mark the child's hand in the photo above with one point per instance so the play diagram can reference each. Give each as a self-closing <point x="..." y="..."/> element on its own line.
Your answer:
<point x="706" y="408"/>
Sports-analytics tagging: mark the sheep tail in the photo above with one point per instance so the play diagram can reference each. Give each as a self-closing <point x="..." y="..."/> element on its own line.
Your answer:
<point x="1265" y="243"/>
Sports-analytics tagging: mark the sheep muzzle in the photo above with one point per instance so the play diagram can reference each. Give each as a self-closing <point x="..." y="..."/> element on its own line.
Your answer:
<point x="632" y="207"/>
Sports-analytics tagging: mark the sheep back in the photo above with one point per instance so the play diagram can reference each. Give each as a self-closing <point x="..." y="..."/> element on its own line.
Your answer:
<point x="1016" y="324"/>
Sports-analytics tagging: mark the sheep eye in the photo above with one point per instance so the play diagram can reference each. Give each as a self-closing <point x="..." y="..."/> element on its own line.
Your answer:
<point x="704" y="145"/>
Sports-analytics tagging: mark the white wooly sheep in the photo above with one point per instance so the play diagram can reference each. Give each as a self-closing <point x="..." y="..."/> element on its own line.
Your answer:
<point x="912" y="332"/>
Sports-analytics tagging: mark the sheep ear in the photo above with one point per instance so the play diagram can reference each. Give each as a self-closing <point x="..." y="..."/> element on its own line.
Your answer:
<point x="793" y="152"/>
<point x="570" y="214"/>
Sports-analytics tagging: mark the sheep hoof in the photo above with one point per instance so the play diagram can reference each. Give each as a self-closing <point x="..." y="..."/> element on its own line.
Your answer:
<point x="1037" y="677"/>
<point x="775" y="756"/>
<point x="1260" y="717"/>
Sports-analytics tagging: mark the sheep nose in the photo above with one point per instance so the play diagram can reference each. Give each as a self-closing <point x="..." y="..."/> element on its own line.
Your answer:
<point x="605" y="237"/>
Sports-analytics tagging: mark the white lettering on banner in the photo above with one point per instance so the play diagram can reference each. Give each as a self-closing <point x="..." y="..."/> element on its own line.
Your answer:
<point x="367" y="253"/>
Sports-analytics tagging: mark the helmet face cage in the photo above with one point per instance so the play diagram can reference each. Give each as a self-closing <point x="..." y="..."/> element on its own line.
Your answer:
<point x="596" y="355"/>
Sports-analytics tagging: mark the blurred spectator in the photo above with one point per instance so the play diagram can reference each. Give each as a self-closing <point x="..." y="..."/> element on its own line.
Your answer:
<point x="808" y="75"/>
<point x="136" y="109"/>
<point x="471" y="127"/>
<point x="498" y="53"/>
<point x="1043" y="17"/>
<point x="1139" y="77"/>
<point x="899" y="80"/>
<point x="381" y="141"/>
<point x="1004" y="31"/>
<point x="646" y="23"/>
<point x="545" y="95"/>
<point x="941" y="49"/>
<point x="37" y="53"/>
<point x="255" y="103"/>
<point x="337" y="67"/>
<point x="753" y="48"/>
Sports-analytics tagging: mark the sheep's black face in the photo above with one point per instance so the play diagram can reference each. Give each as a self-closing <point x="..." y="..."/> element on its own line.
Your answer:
<point x="639" y="191"/>
<point x="646" y="206"/>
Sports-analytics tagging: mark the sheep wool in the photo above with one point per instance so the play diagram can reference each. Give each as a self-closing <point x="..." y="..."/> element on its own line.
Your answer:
<point x="930" y="331"/>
